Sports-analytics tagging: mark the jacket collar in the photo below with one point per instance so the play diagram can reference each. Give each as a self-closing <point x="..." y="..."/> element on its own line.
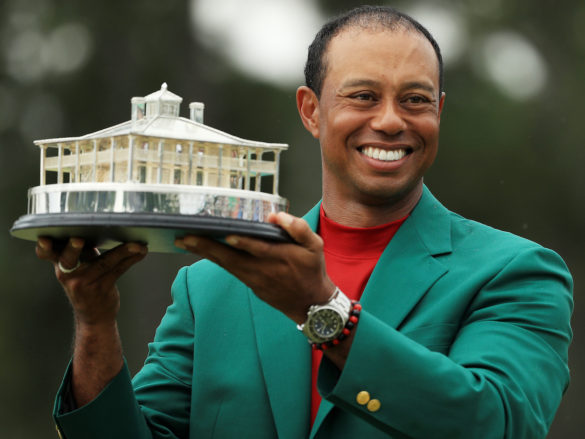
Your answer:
<point x="429" y="217"/>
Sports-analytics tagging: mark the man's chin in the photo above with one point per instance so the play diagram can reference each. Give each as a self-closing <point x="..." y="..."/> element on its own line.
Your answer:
<point x="378" y="195"/>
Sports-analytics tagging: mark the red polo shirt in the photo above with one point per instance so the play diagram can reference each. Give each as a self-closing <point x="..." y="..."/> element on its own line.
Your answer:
<point x="351" y="254"/>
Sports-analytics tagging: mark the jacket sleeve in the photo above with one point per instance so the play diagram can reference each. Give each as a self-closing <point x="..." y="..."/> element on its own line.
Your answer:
<point x="502" y="377"/>
<point x="156" y="404"/>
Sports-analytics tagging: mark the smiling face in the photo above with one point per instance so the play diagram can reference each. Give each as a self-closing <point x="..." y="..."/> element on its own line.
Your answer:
<point x="378" y="116"/>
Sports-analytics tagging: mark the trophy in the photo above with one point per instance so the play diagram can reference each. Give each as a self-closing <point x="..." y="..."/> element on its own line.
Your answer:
<point x="152" y="179"/>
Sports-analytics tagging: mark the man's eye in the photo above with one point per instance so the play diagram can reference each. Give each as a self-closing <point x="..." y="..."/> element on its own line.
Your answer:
<point x="363" y="96"/>
<point x="417" y="99"/>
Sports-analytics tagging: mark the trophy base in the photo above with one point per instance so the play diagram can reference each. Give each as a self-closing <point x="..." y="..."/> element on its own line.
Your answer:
<point x="158" y="231"/>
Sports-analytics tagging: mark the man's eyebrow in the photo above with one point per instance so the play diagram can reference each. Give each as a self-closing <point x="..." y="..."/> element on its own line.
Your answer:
<point x="419" y="85"/>
<point x="412" y="85"/>
<point x="360" y="82"/>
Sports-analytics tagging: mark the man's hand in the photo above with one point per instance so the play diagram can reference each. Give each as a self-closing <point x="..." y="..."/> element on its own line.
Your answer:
<point x="89" y="280"/>
<point x="91" y="288"/>
<point x="289" y="277"/>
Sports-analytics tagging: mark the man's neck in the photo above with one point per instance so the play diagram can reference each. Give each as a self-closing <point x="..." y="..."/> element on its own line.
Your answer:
<point x="366" y="213"/>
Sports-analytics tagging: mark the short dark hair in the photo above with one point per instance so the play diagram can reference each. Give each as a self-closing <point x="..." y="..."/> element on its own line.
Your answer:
<point x="365" y="17"/>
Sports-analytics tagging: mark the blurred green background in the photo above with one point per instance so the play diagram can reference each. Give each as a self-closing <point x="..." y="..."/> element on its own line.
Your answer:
<point x="511" y="155"/>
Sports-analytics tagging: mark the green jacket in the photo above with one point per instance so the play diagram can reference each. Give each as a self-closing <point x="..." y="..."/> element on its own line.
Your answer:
<point x="464" y="333"/>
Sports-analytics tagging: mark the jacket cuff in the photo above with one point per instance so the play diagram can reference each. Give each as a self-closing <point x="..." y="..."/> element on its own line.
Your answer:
<point x="98" y="418"/>
<point x="343" y="387"/>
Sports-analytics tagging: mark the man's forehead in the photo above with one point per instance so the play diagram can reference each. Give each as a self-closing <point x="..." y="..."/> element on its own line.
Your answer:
<point x="351" y="34"/>
<point x="353" y="31"/>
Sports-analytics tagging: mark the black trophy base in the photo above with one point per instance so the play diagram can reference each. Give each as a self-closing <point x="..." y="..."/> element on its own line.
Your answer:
<point x="158" y="231"/>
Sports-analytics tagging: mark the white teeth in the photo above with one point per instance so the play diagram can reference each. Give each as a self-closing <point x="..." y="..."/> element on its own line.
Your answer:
<point x="382" y="154"/>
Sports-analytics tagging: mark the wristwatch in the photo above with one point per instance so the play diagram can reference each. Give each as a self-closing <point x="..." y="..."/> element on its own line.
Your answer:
<point x="325" y="322"/>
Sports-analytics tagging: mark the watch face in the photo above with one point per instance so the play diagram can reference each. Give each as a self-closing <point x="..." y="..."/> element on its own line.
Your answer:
<point x="326" y="324"/>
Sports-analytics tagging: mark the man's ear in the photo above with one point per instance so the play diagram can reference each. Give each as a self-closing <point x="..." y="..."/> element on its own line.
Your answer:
<point x="308" y="106"/>
<point x="441" y="104"/>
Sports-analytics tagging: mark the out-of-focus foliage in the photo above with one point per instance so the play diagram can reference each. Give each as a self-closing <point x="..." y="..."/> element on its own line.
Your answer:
<point x="68" y="68"/>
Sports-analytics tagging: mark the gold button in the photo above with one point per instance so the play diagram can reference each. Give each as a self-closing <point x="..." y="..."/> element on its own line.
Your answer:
<point x="363" y="397"/>
<point x="374" y="405"/>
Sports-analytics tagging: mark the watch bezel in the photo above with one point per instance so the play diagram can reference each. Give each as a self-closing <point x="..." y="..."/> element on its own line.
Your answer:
<point x="339" y="304"/>
<point x="334" y="318"/>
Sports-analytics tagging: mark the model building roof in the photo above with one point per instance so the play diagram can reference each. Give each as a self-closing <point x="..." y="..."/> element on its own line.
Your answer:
<point x="161" y="123"/>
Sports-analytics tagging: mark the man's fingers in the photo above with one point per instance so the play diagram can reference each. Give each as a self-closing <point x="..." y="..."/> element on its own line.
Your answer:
<point x="69" y="257"/>
<point x="124" y="265"/>
<point x="108" y="261"/>
<point x="297" y="228"/>
<point x="99" y="267"/>
<point x="255" y="247"/>
<point x="45" y="250"/>
<point x="223" y="255"/>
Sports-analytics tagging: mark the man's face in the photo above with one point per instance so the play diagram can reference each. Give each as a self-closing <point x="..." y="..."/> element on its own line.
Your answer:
<point x="378" y="116"/>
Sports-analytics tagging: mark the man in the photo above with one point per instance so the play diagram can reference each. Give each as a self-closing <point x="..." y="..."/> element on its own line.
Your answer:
<point x="463" y="330"/>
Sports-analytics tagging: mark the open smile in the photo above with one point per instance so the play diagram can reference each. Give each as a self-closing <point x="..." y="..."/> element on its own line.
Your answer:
<point x="384" y="155"/>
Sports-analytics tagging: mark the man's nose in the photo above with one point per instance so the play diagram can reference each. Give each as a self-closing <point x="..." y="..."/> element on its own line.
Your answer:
<point x="388" y="119"/>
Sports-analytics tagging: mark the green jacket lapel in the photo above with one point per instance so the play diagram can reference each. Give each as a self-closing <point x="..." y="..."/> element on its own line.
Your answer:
<point x="408" y="267"/>
<point x="285" y="357"/>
